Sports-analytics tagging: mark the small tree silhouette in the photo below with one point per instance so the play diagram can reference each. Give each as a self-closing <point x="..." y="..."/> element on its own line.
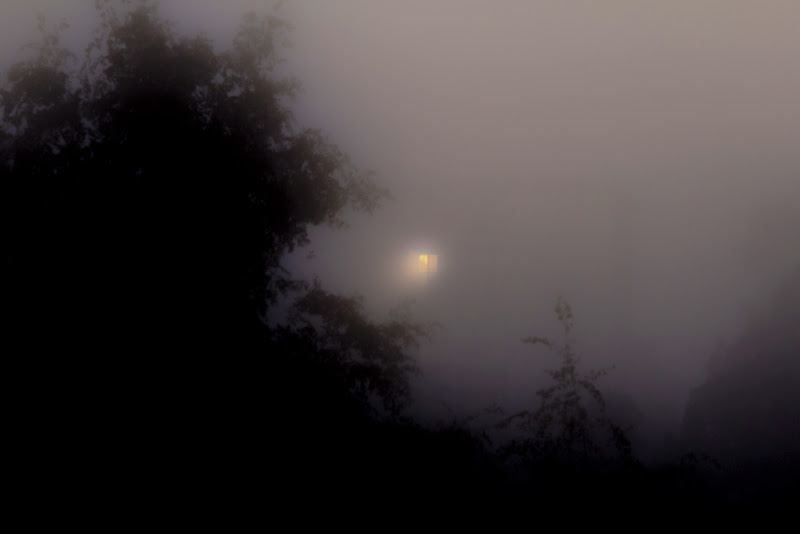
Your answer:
<point x="570" y="426"/>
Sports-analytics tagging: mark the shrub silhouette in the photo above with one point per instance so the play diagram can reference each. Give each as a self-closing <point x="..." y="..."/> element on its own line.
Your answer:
<point x="570" y="427"/>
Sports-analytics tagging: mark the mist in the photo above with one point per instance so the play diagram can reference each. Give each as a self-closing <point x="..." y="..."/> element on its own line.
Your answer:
<point x="638" y="159"/>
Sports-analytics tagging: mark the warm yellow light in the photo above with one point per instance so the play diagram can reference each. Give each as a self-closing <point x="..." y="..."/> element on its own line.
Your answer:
<point x="428" y="263"/>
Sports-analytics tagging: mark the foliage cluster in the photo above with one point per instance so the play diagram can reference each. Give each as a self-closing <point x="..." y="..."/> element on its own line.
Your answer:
<point x="148" y="192"/>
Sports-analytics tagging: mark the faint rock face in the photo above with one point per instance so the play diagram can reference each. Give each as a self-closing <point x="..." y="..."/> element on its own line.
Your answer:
<point x="746" y="413"/>
<point x="750" y="405"/>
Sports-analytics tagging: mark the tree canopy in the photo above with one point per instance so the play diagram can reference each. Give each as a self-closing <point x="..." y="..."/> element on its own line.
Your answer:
<point x="156" y="164"/>
<point x="150" y="189"/>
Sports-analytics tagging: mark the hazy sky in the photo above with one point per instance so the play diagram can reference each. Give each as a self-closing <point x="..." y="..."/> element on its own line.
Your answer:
<point x="640" y="158"/>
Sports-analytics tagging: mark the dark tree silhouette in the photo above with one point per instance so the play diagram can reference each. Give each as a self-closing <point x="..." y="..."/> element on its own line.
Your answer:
<point x="165" y="170"/>
<point x="149" y="192"/>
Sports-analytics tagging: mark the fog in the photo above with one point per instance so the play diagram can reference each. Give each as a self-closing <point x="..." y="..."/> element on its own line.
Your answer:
<point x="638" y="158"/>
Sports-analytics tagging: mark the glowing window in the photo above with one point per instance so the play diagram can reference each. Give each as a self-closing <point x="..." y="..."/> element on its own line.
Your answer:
<point x="428" y="263"/>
